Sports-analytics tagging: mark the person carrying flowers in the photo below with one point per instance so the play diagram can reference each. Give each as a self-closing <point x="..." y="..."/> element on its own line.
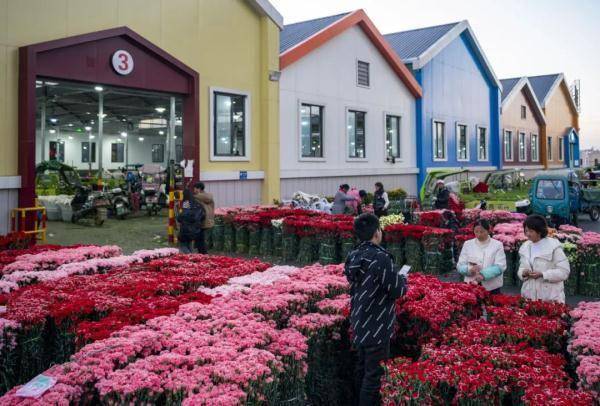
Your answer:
<point x="190" y="223"/>
<point x="375" y="285"/>
<point x="482" y="259"/>
<point x="341" y="198"/>
<point x="543" y="266"/>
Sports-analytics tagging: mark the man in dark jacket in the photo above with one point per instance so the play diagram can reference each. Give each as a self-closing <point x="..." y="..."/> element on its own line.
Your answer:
<point x="374" y="287"/>
<point x="190" y="223"/>
<point x="443" y="196"/>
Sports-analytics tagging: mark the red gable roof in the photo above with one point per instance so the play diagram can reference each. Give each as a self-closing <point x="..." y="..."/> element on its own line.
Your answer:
<point x="360" y="18"/>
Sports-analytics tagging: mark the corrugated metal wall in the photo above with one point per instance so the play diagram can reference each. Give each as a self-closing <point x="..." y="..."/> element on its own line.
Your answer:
<point x="328" y="186"/>
<point x="235" y="192"/>
<point x="9" y="199"/>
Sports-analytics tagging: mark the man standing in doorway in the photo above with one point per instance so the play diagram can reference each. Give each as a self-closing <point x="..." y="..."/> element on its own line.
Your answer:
<point x="208" y="203"/>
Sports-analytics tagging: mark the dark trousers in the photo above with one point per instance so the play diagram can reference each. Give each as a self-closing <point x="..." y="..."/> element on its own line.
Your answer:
<point x="496" y="291"/>
<point x="369" y="372"/>
<point x="201" y="242"/>
<point x="185" y="246"/>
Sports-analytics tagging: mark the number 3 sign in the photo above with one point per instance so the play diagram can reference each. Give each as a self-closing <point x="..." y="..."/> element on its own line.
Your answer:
<point x="122" y="62"/>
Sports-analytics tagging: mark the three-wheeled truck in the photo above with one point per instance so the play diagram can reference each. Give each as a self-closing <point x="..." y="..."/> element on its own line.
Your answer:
<point x="561" y="196"/>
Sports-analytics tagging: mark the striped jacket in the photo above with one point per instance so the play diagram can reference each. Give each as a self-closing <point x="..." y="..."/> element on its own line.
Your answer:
<point x="375" y="285"/>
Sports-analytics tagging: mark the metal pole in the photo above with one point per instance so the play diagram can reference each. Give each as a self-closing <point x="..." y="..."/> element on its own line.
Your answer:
<point x="43" y="129"/>
<point x="100" y="132"/>
<point x="171" y="132"/>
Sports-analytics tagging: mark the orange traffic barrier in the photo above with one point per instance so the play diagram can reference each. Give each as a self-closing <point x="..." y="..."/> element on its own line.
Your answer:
<point x="18" y="221"/>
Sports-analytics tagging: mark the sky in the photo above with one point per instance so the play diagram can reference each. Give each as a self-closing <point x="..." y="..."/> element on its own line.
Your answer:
<point x="519" y="37"/>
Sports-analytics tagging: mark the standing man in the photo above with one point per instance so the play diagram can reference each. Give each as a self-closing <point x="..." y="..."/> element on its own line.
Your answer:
<point x="443" y="196"/>
<point x="208" y="203"/>
<point x="374" y="287"/>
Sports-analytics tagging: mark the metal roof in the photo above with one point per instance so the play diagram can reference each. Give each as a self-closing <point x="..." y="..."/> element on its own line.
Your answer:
<point x="293" y="34"/>
<point x="411" y="44"/>
<point x="542" y="85"/>
<point x="508" y="85"/>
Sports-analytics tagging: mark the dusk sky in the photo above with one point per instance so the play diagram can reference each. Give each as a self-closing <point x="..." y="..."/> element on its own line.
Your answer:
<point x="519" y="37"/>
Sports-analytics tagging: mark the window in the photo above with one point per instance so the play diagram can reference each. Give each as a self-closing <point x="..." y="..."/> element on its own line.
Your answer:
<point x="362" y="73"/>
<point x="522" y="147"/>
<point x="229" y="121"/>
<point x="392" y="136"/>
<point x="508" y="146"/>
<point x="158" y="153"/>
<point x="88" y="152"/>
<point x="57" y="151"/>
<point x="549" y="148"/>
<point x="178" y="152"/>
<point x="462" y="143"/>
<point x="356" y="134"/>
<point x="439" y="141"/>
<point x="523" y="112"/>
<point x="550" y="190"/>
<point x="482" y="144"/>
<point x="117" y="152"/>
<point x="561" y="151"/>
<point x="534" y="148"/>
<point x="311" y="131"/>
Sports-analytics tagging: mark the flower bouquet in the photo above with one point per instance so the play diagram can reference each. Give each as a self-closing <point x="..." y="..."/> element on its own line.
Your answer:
<point x="277" y="238"/>
<point x="218" y="234"/>
<point x="437" y="256"/>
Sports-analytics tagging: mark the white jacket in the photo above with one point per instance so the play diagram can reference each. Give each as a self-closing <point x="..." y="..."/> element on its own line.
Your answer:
<point x="552" y="262"/>
<point x="492" y="254"/>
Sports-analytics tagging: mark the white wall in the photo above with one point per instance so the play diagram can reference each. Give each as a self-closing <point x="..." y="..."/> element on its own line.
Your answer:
<point x="327" y="77"/>
<point x="139" y="152"/>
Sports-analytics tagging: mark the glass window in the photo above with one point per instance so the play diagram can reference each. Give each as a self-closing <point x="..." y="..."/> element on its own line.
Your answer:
<point x="362" y="73"/>
<point x="534" y="148"/>
<point x="561" y="152"/>
<point x="117" y="152"/>
<point x="523" y="112"/>
<point x="178" y="152"/>
<point x="88" y="152"/>
<point x="57" y="151"/>
<point x="482" y="144"/>
<point x="462" y="152"/>
<point x="522" y="147"/>
<point x="439" y="140"/>
<point x="311" y="130"/>
<point x="392" y="136"/>
<point x="356" y="134"/>
<point x="550" y="190"/>
<point x="229" y="124"/>
<point x="158" y="153"/>
<point x="508" y="144"/>
<point x="549" y="148"/>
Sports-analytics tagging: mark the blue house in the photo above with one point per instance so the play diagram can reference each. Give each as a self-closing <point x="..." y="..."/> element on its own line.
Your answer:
<point x="458" y="117"/>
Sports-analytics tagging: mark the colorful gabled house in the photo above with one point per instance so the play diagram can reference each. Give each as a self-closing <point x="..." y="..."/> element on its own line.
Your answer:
<point x="562" y="120"/>
<point x="347" y="108"/>
<point x="458" y="117"/>
<point x="522" y="124"/>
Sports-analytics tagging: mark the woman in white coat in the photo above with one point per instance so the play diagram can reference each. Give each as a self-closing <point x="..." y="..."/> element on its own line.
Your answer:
<point x="543" y="264"/>
<point x="482" y="259"/>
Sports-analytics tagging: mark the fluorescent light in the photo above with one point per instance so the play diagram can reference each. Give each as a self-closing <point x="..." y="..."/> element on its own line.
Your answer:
<point x="52" y="131"/>
<point x="161" y="132"/>
<point x="174" y="137"/>
<point x="160" y="109"/>
<point x="103" y="115"/>
<point x="98" y="88"/>
<point x="70" y="137"/>
<point x="123" y="134"/>
<point x="53" y="120"/>
<point x="51" y="84"/>
<point x="70" y="125"/>
<point x="88" y="128"/>
<point x="141" y="138"/>
<point x="92" y="137"/>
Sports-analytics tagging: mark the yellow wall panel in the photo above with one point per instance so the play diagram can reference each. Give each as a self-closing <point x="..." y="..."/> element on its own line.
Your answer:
<point x="85" y="16"/>
<point x="3" y="22"/>
<point x="32" y="21"/>
<point x="179" y="29"/>
<point x="8" y="110"/>
<point x="143" y="17"/>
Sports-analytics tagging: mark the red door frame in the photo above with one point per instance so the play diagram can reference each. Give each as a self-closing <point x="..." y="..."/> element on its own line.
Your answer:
<point x="86" y="58"/>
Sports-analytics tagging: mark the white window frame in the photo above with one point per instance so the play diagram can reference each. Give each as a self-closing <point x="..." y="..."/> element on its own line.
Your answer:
<point x="537" y="146"/>
<point x="385" y="155"/>
<point x="310" y="159"/>
<point x="524" y="145"/>
<point x="247" y="126"/>
<point x="356" y="69"/>
<point x="512" y="145"/>
<point x="457" y="144"/>
<point x="445" y="159"/>
<point x="561" y="149"/>
<point x="549" y="143"/>
<point x="346" y="112"/>
<point x="487" y="143"/>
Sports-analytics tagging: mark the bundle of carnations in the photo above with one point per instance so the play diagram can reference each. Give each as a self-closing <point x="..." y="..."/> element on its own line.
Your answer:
<point x="10" y="256"/>
<point x="16" y="240"/>
<point x="504" y="360"/>
<point x="589" y="259"/>
<point x="493" y="216"/>
<point x="243" y="348"/>
<point x="431" y="218"/>
<point x="54" y="318"/>
<point x="437" y="251"/>
<point x="409" y="237"/>
<point x="584" y="346"/>
<point x="511" y="235"/>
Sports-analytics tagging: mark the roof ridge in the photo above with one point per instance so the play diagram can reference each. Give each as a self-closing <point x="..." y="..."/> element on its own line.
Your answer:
<point x="515" y="77"/>
<point x="547" y="75"/>
<point x="317" y="19"/>
<point x="423" y="28"/>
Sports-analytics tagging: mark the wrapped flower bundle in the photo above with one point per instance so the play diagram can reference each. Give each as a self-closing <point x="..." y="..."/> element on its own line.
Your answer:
<point x="584" y="345"/>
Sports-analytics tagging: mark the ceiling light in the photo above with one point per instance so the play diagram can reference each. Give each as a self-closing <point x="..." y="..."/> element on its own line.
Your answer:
<point x="52" y="131"/>
<point x="123" y="134"/>
<point x="53" y="120"/>
<point x="92" y="137"/>
<point x="70" y="137"/>
<point x="161" y="132"/>
<point x="102" y="115"/>
<point x="38" y="82"/>
<point x="70" y="125"/>
<point x="160" y="109"/>
<point x="88" y="128"/>
<point x="88" y="113"/>
<point x="124" y="119"/>
<point x="93" y="122"/>
<point x="51" y="84"/>
<point x="141" y="138"/>
<point x="174" y="137"/>
<point x="98" y="88"/>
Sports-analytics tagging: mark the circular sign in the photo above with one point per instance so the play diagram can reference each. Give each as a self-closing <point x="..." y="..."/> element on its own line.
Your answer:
<point x="122" y="62"/>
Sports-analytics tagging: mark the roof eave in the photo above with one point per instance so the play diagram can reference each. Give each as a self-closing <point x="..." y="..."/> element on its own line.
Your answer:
<point x="264" y="7"/>
<point x="560" y="79"/>
<point x="524" y="83"/>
